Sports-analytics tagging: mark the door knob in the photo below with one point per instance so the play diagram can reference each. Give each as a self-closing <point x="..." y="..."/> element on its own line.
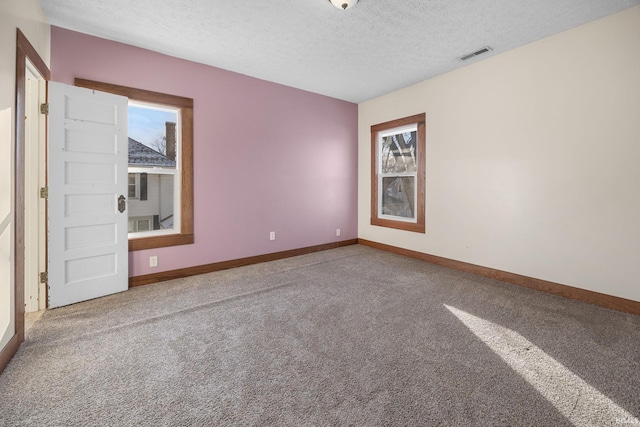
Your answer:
<point x="122" y="203"/>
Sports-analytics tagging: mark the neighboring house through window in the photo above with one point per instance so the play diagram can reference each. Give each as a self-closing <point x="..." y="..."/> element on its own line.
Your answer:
<point x="398" y="174"/>
<point x="153" y="177"/>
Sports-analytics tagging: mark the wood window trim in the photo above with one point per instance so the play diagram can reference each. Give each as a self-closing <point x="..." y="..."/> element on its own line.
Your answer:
<point x="419" y="226"/>
<point x="186" y="235"/>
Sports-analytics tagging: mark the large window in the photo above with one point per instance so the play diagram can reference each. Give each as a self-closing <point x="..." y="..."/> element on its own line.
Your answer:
<point x="154" y="168"/>
<point x="398" y="174"/>
<point x="160" y="179"/>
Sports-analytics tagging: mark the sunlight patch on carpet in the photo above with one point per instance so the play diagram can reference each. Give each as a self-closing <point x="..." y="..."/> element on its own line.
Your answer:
<point x="579" y="402"/>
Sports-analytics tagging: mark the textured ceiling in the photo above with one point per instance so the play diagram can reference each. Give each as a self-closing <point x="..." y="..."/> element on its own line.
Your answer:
<point x="371" y="49"/>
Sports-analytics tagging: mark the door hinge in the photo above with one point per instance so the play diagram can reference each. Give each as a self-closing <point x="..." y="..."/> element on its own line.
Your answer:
<point x="44" y="192"/>
<point x="44" y="108"/>
<point x="44" y="277"/>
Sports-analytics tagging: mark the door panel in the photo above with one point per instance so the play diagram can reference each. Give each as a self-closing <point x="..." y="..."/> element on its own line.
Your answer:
<point x="88" y="172"/>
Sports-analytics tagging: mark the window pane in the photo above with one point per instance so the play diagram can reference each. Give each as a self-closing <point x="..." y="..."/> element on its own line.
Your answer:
<point x="398" y="196"/>
<point x="159" y="201"/>
<point x="153" y="145"/>
<point x="152" y="135"/>
<point x="398" y="153"/>
<point x="132" y="186"/>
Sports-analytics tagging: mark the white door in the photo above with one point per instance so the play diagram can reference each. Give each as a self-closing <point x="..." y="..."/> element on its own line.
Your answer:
<point x="88" y="156"/>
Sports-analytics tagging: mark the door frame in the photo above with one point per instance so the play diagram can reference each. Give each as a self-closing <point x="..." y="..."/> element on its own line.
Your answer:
<point x="24" y="51"/>
<point x="35" y="221"/>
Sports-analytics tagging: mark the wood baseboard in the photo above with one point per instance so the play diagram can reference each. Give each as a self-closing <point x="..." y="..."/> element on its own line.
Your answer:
<point x="224" y="265"/>
<point x="8" y="351"/>
<point x="591" y="297"/>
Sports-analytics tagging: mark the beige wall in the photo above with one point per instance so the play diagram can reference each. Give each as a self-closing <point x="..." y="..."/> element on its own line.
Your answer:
<point x="28" y="16"/>
<point x="533" y="159"/>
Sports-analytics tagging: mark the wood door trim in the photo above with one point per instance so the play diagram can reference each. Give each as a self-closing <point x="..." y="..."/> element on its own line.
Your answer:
<point x="24" y="51"/>
<point x="8" y="351"/>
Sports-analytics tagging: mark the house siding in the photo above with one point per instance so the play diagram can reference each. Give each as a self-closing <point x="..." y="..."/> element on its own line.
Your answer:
<point x="159" y="199"/>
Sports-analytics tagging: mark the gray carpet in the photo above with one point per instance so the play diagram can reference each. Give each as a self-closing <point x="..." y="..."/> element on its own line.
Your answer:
<point x="352" y="336"/>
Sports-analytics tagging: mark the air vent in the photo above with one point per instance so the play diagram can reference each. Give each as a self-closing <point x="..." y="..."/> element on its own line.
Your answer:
<point x="474" y="54"/>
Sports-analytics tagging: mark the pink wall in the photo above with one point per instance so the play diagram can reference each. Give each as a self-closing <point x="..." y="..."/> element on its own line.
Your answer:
<point x="266" y="157"/>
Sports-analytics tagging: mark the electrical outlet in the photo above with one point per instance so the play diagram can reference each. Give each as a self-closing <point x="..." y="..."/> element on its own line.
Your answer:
<point x="272" y="235"/>
<point x="337" y="232"/>
<point x="153" y="261"/>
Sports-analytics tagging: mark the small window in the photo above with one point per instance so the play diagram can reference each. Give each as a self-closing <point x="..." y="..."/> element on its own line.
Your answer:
<point x="398" y="174"/>
<point x="138" y="224"/>
<point x="133" y="186"/>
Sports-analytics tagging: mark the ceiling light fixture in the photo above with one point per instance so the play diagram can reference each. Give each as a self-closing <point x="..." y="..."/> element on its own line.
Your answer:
<point x="343" y="4"/>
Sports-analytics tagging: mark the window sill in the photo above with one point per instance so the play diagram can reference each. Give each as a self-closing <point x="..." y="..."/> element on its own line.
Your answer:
<point x="140" y="243"/>
<point x="399" y="225"/>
